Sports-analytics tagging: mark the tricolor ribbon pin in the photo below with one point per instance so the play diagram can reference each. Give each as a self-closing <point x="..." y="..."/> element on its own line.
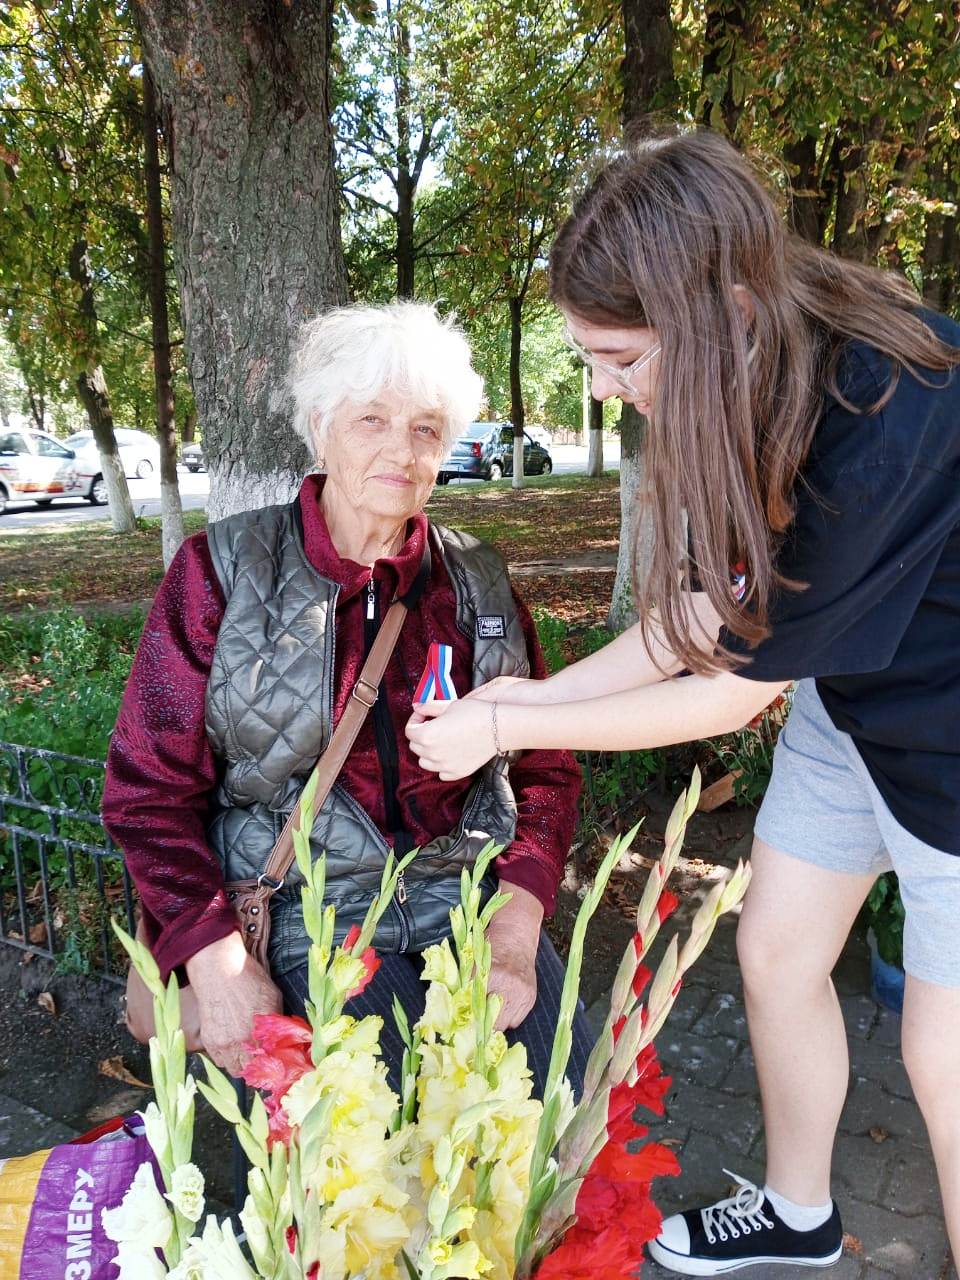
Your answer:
<point x="436" y="683"/>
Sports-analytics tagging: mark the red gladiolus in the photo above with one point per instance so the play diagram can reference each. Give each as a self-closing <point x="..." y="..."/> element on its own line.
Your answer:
<point x="640" y="979"/>
<point x="291" y="1238"/>
<point x="370" y="960"/>
<point x="314" y="1272"/>
<point x="667" y="904"/>
<point x="277" y="1056"/>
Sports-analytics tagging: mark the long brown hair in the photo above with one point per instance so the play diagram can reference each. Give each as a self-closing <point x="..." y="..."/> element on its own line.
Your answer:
<point x="661" y="237"/>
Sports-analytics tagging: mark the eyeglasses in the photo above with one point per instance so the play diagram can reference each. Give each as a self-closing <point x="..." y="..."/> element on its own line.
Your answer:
<point x="623" y="375"/>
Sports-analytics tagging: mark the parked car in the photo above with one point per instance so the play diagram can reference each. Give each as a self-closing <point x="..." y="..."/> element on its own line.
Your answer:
<point x="139" y="453"/>
<point x="191" y="455"/>
<point x="35" y="467"/>
<point x="485" y="452"/>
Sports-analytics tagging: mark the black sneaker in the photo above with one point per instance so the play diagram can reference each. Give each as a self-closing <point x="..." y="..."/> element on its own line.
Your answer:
<point x="742" y="1232"/>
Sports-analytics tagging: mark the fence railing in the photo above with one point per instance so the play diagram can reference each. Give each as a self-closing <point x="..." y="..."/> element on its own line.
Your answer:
<point x="62" y="878"/>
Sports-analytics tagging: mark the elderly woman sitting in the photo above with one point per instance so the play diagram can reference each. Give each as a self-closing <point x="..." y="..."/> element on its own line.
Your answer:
<point x="253" y="645"/>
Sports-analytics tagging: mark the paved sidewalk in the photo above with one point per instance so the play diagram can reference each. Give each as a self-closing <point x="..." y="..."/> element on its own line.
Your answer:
<point x="884" y="1178"/>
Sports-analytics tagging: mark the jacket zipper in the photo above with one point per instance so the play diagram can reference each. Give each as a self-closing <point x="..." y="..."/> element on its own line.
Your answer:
<point x="386" y="746"/>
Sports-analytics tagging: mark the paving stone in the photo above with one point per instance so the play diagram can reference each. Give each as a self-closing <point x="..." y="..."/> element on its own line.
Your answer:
<point x="861" y="1016"/>
<point x="881" y="1063"/>
<point x="690" y="1005"/>
<point x="869" y="1106"/>
<point x="23" y="1129"/>
<point x="736" y="1120"/>
<point x="742" y="1076"/>
<point x="912" y="1185"/>
<point x="861" y="1167"/>
<point x="703" y="1060"/>
<point x="914" y="1248"/>
<point x="724" y="1016"/>
<point x="703" y="1158"/>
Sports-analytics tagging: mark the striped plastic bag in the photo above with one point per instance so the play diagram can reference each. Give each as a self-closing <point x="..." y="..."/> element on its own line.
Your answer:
<point x="50" y="1203"/>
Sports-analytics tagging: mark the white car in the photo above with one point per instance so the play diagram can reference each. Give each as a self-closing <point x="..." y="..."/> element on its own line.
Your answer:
<point x="139" y="453"/>
<point x="34" y="467"/>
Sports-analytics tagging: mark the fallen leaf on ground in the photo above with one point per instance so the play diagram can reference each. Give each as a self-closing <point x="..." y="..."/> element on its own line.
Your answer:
<point x="38" y="934"/>
<point x="114" y="1069"/>
<point x="46" y="1001"/>
<point x="852" y="1244"/>
<point x="879" y="1134"/>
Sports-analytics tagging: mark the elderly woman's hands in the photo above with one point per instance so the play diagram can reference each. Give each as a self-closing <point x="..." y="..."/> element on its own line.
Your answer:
<point x="514" y="937"/>
<point x="232" y="988"/>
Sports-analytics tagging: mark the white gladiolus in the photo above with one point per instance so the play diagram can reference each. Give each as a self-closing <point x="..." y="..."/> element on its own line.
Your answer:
<point x="155" y="1127"/>
<point x="134" y="1264"/>
<point x="186" y="1191"/>
<point x="213" y="1256"/>
<point x="142" y="1218"/>
<point x="186" y="1093"/>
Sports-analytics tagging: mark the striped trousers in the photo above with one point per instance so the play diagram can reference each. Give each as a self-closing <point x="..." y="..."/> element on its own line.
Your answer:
<point x="399" y="974"/>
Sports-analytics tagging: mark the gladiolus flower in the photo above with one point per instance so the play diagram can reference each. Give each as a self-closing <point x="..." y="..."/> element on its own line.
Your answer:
<point x="277" y="1057"/>
<point x="370" y="961"/>
<point x="667" y="904"/>
<point x="291" y="1238"/>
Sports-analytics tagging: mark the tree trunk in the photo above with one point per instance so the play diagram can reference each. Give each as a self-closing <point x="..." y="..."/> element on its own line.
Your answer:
<point x="4" y="412"/>
<point x="38" y="408"/>
<point x="405" y="185"/>
<point x="188" y="435"/>
<point x="171" y="509"/>
<point x="92" y="390"/>
<point x="648" y="81"/>
<point x="517" y="416"/>
<point x="801" y="157"/>
<point x="245" y="95"/>
<point x="595" y="448"/>
<point x="647" y="69"/>
<point x="723" y="45"/>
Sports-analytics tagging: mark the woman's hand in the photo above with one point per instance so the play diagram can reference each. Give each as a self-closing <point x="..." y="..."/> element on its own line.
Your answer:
<point x="231" y="989"/>
<point x="514" y="937"/>
<point x="452" y="739"/>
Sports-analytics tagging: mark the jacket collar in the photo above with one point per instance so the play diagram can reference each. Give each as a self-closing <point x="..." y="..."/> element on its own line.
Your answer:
<point x="396" y="572"/>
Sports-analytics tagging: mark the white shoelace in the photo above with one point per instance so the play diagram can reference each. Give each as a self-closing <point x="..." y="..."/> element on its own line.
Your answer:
<point x="737" y="1216"/>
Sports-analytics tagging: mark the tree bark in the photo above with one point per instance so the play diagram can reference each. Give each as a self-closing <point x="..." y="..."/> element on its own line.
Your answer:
<point x="595" y="446"/>
<point x="406" y="254"/>
<point x="647" y="68"/>
<point x="517" y="415"/>
<point x="648" y="83"/>
<point x="171" y="509"/>
<point x="189" y="433"/>
<point x="723" y="40"/>
<point x="92" y="390"/>
<point x="801" y="158"/>
<point x="244" y="90"/>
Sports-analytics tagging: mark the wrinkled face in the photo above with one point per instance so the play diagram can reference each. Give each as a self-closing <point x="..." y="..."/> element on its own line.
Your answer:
<point x="383" y="457"/>
<point x="623" y="362"/>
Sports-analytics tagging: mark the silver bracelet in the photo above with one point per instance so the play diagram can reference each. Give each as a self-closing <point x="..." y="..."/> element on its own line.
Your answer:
<point x="496" y="736"/>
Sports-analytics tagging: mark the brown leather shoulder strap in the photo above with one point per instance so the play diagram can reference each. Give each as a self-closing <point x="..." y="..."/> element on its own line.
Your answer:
<point x="362" y="697"/>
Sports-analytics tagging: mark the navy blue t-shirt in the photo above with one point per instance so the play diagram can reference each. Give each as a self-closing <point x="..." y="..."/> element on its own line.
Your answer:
<point x="877" y="537"/>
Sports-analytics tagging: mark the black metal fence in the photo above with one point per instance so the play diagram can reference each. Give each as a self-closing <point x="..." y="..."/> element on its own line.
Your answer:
<point x="62" y="878"/>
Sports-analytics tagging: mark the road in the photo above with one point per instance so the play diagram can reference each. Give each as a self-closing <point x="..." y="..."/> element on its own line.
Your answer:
<point x="26" y="517"/>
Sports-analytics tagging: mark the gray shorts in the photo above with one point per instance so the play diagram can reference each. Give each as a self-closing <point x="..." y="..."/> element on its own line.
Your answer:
<point x="823" y="807"/>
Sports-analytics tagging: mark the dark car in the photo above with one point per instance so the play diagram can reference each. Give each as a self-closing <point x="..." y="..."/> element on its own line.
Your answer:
<point x="191" y="455"/>
<point x="485" y="452"/>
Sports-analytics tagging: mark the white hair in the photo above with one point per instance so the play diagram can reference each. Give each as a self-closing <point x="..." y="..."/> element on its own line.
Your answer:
<point x="354" y="353"/>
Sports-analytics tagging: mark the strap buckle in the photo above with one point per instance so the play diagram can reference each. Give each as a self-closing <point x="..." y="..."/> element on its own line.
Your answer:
<point x="364" y="686"/>
<point x="269" y="881"/>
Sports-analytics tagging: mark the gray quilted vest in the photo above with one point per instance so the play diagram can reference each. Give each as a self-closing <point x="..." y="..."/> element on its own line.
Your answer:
<point x="268" y="716"/>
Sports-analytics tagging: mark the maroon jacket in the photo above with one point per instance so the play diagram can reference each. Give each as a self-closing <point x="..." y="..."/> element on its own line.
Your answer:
<point x="161" y="766"/>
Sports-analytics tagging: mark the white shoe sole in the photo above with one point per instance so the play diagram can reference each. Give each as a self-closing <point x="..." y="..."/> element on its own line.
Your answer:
<point x="704" y="1267"/>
